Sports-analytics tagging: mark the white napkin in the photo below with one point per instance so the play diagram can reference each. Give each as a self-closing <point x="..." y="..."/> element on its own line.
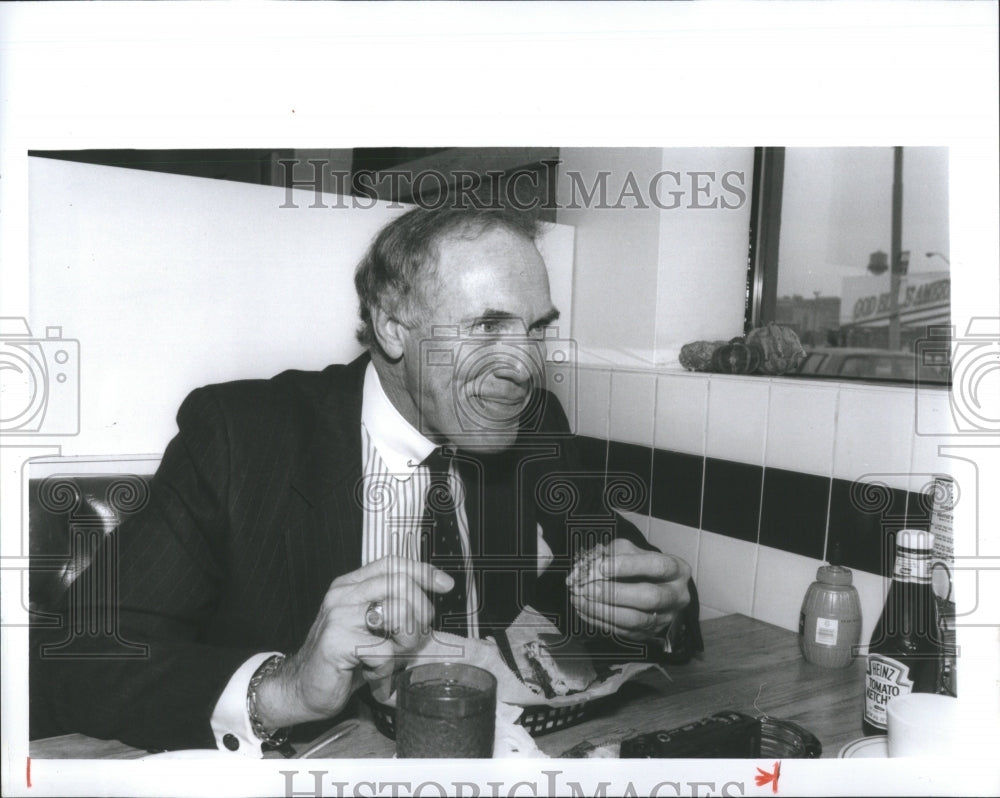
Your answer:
<point x="512" y="740"/>
<point x="445" y="647"/>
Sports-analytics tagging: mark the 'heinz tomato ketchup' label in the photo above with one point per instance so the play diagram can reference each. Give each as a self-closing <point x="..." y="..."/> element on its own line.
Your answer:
<point x="885" y="679"/>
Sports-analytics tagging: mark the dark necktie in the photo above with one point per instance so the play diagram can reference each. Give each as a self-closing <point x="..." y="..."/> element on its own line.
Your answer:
<point x="441" y="546"/>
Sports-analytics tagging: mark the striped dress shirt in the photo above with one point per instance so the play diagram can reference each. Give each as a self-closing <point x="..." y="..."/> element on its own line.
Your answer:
<point x="393" y="491"/>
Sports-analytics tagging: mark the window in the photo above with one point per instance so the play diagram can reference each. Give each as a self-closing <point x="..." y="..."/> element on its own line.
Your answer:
<point x="849" y="247"/>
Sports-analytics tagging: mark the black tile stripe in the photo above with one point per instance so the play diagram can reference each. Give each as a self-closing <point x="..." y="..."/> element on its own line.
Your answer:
<point x="636" y="461"/>
<point x="794" y="512"/>
<point x="797" y="511"/>
<point x="677" y="481"/>
<point x="732" y="494"/>
<point x="593" y="452"/>
<point x="864" y="519"/>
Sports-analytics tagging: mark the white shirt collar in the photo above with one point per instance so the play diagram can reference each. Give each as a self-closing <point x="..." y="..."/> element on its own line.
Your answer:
<point x="400" y="445"/>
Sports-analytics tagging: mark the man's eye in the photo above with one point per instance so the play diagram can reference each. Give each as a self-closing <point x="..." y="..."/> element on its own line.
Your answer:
<point x="488" y="327"/>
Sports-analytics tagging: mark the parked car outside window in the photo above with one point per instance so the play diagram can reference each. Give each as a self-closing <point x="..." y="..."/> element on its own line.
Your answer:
<point x="870" y="364"/>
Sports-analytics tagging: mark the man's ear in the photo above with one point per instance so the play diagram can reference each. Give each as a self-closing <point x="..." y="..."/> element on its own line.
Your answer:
<point x="390" y="332"/>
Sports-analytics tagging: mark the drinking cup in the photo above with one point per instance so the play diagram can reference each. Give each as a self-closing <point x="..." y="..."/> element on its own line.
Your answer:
<point x="923" y="725"/>
<point x="445" y="710"/>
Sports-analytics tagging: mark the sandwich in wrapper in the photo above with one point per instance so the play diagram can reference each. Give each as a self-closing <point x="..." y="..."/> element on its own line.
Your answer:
<point x="546" y="660"/>
<point x="588" y="566"/>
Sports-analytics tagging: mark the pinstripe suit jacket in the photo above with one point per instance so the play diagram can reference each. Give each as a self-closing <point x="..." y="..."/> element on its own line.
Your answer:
<point x="252" y="513"/>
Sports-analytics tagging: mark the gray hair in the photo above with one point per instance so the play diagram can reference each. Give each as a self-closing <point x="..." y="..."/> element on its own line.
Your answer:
<point x="402" y="257"/>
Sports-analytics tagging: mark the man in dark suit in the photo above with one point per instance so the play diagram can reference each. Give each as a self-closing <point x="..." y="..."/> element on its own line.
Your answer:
<point x="292" y="547"/>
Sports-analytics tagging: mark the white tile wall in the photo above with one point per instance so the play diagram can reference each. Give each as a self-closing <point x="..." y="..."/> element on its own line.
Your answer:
<point x="781" y="584"/>
<point x="726" y="569"/>
<point x="681" y="408"/>
<point x="633" y="407"/>
<point x="933" y="417"/>
<point x="593" y="400"/>
<point x="737" y="417"/>
<point x="800" y="427"/>
<point x="875" y="431"/>
<point x="933" y="413"/>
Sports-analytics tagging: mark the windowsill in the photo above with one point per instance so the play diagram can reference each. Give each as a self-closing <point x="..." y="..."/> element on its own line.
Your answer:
<point x="666" y="363"/>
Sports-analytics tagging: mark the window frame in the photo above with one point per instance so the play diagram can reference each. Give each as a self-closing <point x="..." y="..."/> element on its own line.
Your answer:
<point x="765" y="235"/>
<point x="762" y="263"/>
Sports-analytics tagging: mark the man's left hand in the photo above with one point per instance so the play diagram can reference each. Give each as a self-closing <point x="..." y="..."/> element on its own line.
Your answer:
<point x="632" y="593"/>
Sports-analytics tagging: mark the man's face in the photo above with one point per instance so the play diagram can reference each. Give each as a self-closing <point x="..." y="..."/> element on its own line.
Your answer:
<point x="471" y="362"/>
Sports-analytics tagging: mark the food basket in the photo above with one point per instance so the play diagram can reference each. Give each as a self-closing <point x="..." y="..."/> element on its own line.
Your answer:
<point x="538" y="720"/>
<point x="540" y="715"/>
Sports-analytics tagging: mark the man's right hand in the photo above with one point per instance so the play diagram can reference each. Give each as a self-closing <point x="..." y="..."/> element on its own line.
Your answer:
<point x="317" y="680"/>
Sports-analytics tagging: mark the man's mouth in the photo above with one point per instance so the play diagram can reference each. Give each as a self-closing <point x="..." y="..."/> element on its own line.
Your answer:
<point x="511" y="401"/>
<point x="500" y="407"/>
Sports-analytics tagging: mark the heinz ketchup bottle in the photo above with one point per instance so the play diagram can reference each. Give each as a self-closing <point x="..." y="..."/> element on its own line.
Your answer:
<point x="906" y="651"/>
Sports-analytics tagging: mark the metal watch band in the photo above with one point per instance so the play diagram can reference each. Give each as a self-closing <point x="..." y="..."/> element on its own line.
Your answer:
<point x="278" y="737"/>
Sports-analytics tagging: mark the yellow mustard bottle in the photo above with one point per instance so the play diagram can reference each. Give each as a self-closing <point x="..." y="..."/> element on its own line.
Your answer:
<point x="830" y="620"/>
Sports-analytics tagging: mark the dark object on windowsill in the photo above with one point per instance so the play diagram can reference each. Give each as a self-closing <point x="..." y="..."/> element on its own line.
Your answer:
<point x="780" y="348"/>
<point x="736" y="357"/>
<point x="697" y="355"/>
<point x="773" y="350"/>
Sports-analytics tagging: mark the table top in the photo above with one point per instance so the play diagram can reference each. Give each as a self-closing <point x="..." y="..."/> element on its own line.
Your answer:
<point x="748" y="665"/>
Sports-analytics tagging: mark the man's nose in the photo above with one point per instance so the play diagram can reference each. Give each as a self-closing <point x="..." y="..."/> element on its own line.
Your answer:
<point x="521" y="365"/>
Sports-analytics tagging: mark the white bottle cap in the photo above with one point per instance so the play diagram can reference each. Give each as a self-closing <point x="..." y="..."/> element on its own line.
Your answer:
<point x="918" y="539"/>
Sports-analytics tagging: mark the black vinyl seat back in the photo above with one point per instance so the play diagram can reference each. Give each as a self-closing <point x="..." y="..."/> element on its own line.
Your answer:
<point x="68" y="516"/>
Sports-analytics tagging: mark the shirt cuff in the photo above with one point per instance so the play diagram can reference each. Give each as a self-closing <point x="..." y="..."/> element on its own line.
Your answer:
<point x="230" y="719"/>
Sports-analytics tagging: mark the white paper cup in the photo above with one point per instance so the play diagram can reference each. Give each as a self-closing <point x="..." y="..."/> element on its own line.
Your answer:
<point x="923" y="724"/>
